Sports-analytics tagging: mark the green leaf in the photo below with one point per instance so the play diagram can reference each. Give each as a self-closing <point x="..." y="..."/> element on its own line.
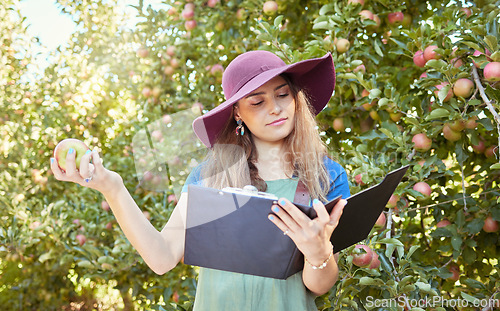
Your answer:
<point x="492" y="42"/>
<point x="438" y="113"/>
<point x="85" y="264"/>
<point x="277" y="21"/>
<point x="469" y="255"/>
<point x="443" y="92"/>
<point x="46" y="256"/>
<point x="495" y="166"/>
<point x="473" y="45"/>
<point x="321" y="25"/>
<point x="469" y="298"/>
<point x="327" y="8"/>
<point x="436" y="64"/>
<point x="456" y="242"/>
<point x="412" y="250"/>
<point x="374" y="93"/>
<point x="367" y="281"/>
<point x="493" y="93"/>
<point x="474" y="226"/>
<point x="473" y="283"/>
<point x="377" y="49"/>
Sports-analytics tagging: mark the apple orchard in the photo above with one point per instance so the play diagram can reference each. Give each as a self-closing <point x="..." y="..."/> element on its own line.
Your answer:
<point x="417" y="84"/>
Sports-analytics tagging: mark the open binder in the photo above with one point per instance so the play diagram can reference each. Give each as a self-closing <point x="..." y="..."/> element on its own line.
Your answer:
<point x="230" y="231"/>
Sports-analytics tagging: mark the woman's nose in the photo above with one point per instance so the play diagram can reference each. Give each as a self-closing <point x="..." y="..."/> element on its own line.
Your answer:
<point x="275" y="107"/>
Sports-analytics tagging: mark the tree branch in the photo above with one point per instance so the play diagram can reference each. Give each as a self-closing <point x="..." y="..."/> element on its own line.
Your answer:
<point x="486" y="100"/>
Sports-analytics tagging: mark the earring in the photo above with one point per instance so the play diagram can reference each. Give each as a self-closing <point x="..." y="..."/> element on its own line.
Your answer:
<point x="240" y="129"/>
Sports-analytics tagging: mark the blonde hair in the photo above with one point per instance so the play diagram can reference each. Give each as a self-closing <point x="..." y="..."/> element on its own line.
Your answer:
<point x="230" y="162"/>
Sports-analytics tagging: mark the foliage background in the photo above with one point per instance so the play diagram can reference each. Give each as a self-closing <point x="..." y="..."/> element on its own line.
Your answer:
<point x="103" y="89"/>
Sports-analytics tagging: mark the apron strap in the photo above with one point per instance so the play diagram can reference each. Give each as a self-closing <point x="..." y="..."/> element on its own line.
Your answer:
<point x="301" y="194"/>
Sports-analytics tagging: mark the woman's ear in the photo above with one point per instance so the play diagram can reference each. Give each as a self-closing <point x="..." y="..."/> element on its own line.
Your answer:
<point x="236" y="112"/>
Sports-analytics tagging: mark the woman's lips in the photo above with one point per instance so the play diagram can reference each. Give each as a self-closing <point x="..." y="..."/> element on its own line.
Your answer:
<point x="278" y="122"/>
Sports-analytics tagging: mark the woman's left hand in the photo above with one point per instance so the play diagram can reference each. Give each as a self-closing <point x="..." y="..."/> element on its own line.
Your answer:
<point x="312" y="236"/>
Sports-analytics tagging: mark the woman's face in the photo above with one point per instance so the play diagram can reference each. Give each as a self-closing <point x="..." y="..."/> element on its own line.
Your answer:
<point x="269" y="111"/>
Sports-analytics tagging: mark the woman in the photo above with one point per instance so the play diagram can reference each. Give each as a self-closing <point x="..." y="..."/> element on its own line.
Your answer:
<point x="264" y="134"/>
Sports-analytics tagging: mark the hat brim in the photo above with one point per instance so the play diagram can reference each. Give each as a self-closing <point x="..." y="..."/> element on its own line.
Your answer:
<point x="314" y="76"/>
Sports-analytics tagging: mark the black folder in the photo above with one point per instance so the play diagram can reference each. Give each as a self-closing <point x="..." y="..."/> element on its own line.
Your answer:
<point x="231" y="231"/>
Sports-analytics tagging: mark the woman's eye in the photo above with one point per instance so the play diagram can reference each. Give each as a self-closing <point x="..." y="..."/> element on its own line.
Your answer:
<point x="256" y="104"/>
<point x="283" y="95"/>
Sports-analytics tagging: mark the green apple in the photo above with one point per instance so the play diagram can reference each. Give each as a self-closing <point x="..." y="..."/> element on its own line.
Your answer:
<point x="63" y="147"/>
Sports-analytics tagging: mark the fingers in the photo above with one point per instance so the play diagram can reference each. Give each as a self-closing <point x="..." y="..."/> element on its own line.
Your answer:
<point x="323" y="216"/>
<point x="56" y="170"/>
<point x="86" y="169"/>
<point x="71" y="169"/>
<point x="281" y="225"/>
<point x="97" y="161"/>
<point x="336" y="213"/>
<point x="290" y="214"/>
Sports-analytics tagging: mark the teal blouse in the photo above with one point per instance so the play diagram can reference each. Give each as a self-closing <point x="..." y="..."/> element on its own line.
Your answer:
<point x="222" y="290"/>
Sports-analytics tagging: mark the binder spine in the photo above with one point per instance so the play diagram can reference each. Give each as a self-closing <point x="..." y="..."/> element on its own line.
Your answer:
<point x="296" y="261"/>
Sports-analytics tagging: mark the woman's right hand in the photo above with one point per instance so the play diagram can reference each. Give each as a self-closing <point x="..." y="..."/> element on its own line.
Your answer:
<point x="101" y="179"/>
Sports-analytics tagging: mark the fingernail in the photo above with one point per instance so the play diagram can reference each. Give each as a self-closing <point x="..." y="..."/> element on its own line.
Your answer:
<point x="315" y="201"/>
<point x="282" y="202"/>
<point x="270" y="217"/>
<point x="276" y="209"/>
<point x="71" y="150"/>
<point x="88" y="151"/>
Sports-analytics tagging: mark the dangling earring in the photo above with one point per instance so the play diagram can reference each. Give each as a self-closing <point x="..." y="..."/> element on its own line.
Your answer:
<point x="240" y="129"/>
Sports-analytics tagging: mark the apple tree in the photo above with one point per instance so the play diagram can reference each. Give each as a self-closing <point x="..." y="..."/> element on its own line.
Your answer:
<point x="417" y="85"/>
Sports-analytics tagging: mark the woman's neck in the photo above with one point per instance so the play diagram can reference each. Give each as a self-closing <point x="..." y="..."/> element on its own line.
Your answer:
<point x="270" y="162"/>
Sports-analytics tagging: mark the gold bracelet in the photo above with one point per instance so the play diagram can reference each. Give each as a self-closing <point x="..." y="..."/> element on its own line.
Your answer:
<point x="323" y="265"/>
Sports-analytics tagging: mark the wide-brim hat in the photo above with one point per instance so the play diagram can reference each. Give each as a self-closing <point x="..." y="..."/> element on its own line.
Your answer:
<point x="250" y="70"/>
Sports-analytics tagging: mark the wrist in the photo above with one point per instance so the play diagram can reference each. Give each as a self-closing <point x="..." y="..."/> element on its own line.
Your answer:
<point x="320" y="263"/>
<point x="114" y="186"/>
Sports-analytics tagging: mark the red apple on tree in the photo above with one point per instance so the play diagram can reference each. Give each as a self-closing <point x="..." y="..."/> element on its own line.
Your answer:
<point x="443" y="223"/>
<point x="105" y="206"/>
<point x="418" y="59"/>
<point x="450" y="134"/>
<point x="440" y="86"/>
<point x="359" y="179"/>
<point x="463" y="87"/>
<point x="366" y="14"/>
<point x="190" y="25"/>
<point x="395" y="17"/>
<point x="270" y="7"/>
<point x="471" y="123"/>
<point x="375" y="263"/>
<point x="393" y="201"/>
<point x="342" y="45"/>
<point x="338" y="124"/>
<point x="354" y="2"/>
<point x="62" y="148"/>
<point x="490" y="152"/>
<point x="422" y="142"/>
<point x="480" y="147"/>
<point x="81" y="239"/>
<point x="142" y="52"/>
<point x="212" y="3"/>
<point x="360" y="258"/>
<point x="455" y="270"/>
<point x="424" y="189"/>
<point x="430" y="53"/>
<point x="381" y="220"/>
<point x="490" y="225"/>
<point x="492" y="72"/>
<point x="146" y="91"/>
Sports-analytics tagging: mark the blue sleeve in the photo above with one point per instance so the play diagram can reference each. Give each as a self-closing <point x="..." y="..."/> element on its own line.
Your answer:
<point x="339" y="184"/>
<point x="193" y="178"/>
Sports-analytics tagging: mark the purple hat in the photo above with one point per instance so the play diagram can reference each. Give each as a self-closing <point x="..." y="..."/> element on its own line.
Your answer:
<point x="250" y="70"/>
